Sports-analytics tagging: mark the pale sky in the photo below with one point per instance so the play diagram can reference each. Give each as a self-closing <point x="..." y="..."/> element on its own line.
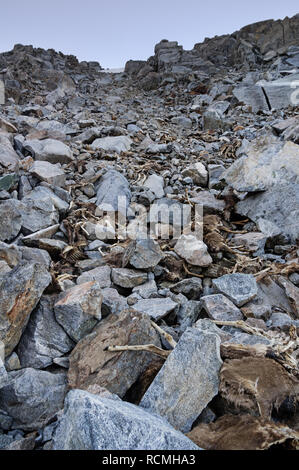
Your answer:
<point x="112" y="32"/>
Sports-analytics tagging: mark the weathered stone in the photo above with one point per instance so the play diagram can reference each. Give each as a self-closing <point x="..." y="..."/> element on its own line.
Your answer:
<point x="12" y="362"/>
<point x="113" y="302"/>
<point x="156" y="184"/>
<point x="128" y="278"/>
<point x="274" y="211"/>
<point x="145" y="254"/>
<point x="218" y="307"/>
<point x="208" y="201"/>
<point x="146" y="290"/>
<point x="79" y="309"/>
<point x="292" y="293"/>
<point x="32" y="397"/>
<point x="49" y="150"/>
<point x="91" y="422"/>
<point x="43" y="339"/>
<point x="282" y="92"/>
<point x="155" y="308"/>
<point x="191" y="288"/>
<point x="188" y="380"/>
<point x="8" y="182"/>
<point x="8" y="157"/>
<point x="26" y="443"/>
<point x="192" y="250"/>
<point x="216" y="176"/>
<point x="20" y="291"/>
<point x="11" y="220"/>
<point x="4" y="380"/>
<point x="239" y="288"/>
<point x="252" y="241"/>
<point x="117" y="144"/>
<point x="113" y="193"/>
<point x="268" y="162"/>
<point x="91" y="364"/>
<point x="198" y="173"/>
<point x="48" y="172"/>
<point x="102" y="275"/>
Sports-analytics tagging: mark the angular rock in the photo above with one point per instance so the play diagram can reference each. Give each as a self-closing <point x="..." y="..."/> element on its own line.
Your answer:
<point x="208" y="201"/>
<point x="192" y="250"/>
<point x="128" y="278"/>
<point x="198" y="173"/>
<point x="8" y="157"/>
<point x="113" y="302"/>
<point x="239" y="288"/>
<point x="20" y="290"/>
<point x="49" y="150"/>
<point x="155" y="308"/>
<point x="268" y="162"/>
<point x="32" y="397"/>
<point x="218" y="307"/>
<point x="117" y="144"/>
<point x="79" y="309"/>
<point x="92" y="422"/>
<point x="188" y="380"/>
<point x="48" y="172"/>
<point x="156" y="184"/>
<point x="102" y="275"/>
<point x="113" y="193"/>
<point x="274" y="211"/>
<point x="145" y="254"/>
<point x="43" y="339"/>
<point x="11" y="220"/>
<point x="91" y="364"/>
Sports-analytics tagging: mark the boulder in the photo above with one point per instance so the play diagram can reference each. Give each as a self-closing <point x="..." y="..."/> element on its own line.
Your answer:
<point x="33" y="397"/>
<point x="188" y="380"/>
<point x="92" y="364"/>
<point x="92" y="422"/>
<point x="20" y="290"/>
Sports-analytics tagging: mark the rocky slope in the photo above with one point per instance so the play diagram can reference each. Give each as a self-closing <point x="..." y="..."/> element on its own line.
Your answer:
<point x="149" y="247"/>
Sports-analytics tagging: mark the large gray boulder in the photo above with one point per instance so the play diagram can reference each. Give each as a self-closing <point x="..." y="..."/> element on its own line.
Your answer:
<point x="20" y="290"/>
<point x="188" y="380"/>
<point x="91" y="422"/>
<point x="32" y="397"/>
<point x="275" y="211"/>
<point x="268" y="162"/>
<point x="92" y="364"/>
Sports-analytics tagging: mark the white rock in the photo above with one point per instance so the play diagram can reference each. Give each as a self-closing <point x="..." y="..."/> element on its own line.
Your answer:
<point x="117" y="144"/>
<point x="192" y="250"/>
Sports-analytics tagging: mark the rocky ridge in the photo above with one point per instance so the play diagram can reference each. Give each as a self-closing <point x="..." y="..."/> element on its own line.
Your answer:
<point x="116" y="313"/>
